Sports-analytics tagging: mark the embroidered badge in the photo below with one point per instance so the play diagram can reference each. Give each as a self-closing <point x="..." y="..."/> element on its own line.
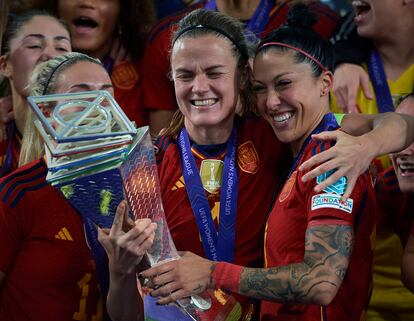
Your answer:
<point x="287" y="188"/>
<point x="338" y="187"/>
<point x="247" y="159"/>
<point x="211" y="173"/>
<point x="331" y="201"/>
<point x="124" y="75"/>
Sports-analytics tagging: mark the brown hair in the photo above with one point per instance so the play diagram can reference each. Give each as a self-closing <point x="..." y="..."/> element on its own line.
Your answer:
<point x="203" y="22"/>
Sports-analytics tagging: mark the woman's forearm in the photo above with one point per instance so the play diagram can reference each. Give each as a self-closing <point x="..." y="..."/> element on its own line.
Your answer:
<point x="124" y="302"/>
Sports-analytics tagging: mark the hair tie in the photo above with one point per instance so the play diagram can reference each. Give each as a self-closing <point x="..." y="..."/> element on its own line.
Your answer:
<point x="280" y="44"/>
<point x="243" y="53"/>
<point x="53" y="72"/>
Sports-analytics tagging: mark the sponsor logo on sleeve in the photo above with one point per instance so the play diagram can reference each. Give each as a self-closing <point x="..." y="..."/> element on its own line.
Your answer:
<point x="331" y="201"/>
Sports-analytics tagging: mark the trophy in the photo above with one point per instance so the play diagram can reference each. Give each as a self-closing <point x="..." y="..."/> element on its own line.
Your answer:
<point x="96" y="158"/>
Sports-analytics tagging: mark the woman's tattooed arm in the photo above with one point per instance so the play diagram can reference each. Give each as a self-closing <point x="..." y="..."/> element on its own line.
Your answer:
<point x="315" y="280"/>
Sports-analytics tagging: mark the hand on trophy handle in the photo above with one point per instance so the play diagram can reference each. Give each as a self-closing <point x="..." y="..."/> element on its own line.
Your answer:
<point x="126" y="243"/>
<point x="176" y="279"/>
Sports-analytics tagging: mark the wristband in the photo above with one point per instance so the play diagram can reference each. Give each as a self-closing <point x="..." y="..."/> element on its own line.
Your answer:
<point x="227" y="276"/>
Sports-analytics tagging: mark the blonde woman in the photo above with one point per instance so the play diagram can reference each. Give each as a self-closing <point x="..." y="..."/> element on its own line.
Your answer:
<point x="42" y="275"/>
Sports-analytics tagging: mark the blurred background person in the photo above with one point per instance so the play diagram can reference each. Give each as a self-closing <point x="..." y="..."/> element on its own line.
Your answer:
<point x="30" y="38"/>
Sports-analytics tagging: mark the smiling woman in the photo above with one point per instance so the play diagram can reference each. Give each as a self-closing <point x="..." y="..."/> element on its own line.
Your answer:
<point x="115" y="32"/>
<point x="44" y="258"/>
<point x="318" y="249"/>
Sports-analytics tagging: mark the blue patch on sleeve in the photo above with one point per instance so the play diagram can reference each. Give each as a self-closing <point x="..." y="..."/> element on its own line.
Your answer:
<point x="338" y="187"/>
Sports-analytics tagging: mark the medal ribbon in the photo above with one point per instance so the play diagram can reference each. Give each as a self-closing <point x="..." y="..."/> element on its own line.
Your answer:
<point x="257" y="22"/>
<point x="379" y="81"/>
<point x="217" y="246"/>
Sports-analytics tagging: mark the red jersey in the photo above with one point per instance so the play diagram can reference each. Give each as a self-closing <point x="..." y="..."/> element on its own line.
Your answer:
<point x="127" y="81"/>
<point x="158" y="88"/>
<point x="261" y="160"/>
<point x="10" y="150"/>
<point x="49" y="270"/>
<point x="298" y="204"/>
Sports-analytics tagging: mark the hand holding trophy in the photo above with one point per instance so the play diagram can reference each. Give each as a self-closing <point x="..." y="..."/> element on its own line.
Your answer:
<point x="97" y="158"/>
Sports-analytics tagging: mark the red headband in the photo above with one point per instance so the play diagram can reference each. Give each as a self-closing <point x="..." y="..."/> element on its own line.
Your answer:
<point x="296" y="49"/>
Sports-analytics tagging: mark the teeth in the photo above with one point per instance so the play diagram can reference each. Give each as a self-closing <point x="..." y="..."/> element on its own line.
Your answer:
<point x="358" y="3"/>
<point x="406" y="166"/>
<point x="204" y="102"/>
<point x="282" y="117"/>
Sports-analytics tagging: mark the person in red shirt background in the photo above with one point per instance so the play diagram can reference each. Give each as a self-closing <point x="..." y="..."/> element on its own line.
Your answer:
<point x="29" y="38"/>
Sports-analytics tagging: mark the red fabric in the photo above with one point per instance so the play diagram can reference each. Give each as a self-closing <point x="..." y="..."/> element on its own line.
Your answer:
<point x="257" y="181"/>
<point x="127" y="81"/>
<point x="395" y="209"/>
<point x="43" y="253"/>
<point x="158" y="88"/>
<point x="284" y="244"/>
<point x="255" y="191"/>
<point x="16" y="140"/>
<point x="227" y="276"/>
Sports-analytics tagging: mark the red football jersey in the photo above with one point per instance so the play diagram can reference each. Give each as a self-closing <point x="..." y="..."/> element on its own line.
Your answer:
<point x="261" y="161"/>
<point x="127" y="81"/>
<point x="50" y="273"/>
<point x="158" y="88"/>
<point x="298" y="204"/>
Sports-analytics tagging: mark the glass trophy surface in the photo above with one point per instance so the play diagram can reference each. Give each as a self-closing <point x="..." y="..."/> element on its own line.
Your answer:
<point x="96" y="158"/>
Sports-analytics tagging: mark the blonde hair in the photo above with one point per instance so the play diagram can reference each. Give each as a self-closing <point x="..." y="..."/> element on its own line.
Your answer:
<point x="43" y="82"/>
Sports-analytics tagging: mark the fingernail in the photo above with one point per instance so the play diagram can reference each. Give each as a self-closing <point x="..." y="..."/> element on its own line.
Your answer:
<point x="140" y="276"/>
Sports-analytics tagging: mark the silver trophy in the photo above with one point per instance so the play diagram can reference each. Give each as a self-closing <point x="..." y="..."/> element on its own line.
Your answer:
<point x="96" y="157"/>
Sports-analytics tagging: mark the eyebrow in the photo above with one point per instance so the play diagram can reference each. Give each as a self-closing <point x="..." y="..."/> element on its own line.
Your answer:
<point x="182" y="69"/>
<point x="87" y="86"/>
<point x="40" y="36"/>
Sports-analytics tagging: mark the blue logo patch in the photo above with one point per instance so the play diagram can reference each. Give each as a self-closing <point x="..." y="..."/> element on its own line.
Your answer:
<point x="336" y="188"/>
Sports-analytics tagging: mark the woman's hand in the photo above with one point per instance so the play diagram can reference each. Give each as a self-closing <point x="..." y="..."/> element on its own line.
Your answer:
<point x="350" y="157"/>
<point x="127" y="241"/>
<point x="173" y="280"/>
<point x="347" y="80"/>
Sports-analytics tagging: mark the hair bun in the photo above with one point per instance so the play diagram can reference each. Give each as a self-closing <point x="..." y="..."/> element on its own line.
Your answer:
<point x="300" y="16"/>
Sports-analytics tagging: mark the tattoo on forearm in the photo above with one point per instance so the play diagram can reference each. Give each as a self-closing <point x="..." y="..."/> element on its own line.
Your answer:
<point x="327" y="252"/>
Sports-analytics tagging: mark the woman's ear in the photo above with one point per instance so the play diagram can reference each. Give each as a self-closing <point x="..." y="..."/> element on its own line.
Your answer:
<point x="326" y="81"/>
<point x="5" y="67"/>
